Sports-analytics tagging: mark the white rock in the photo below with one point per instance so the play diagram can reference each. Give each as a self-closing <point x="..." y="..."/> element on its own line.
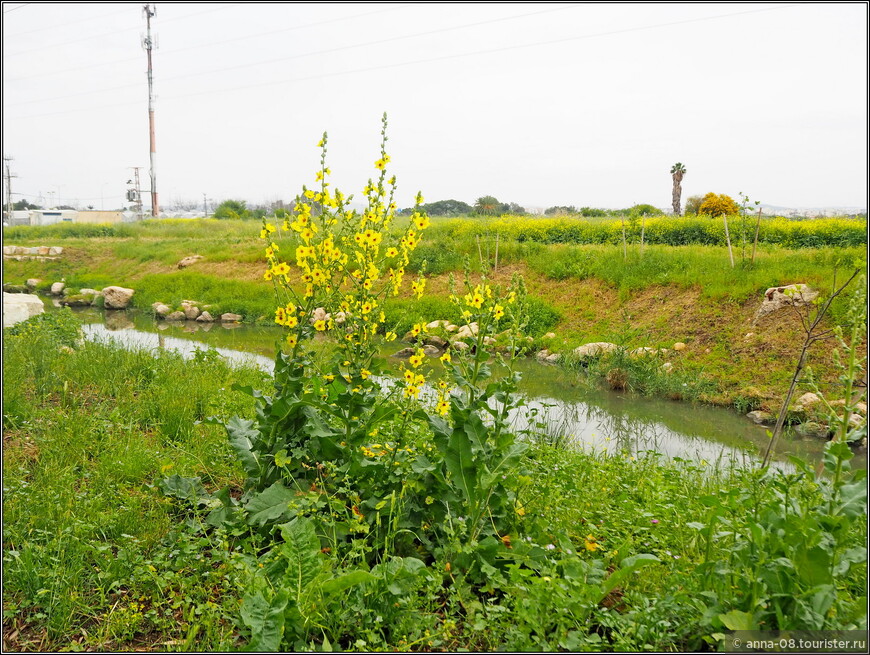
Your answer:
<point x="808" y="400"/>
<point x="187" y="261"/>
<point x="191" y="311"/>
<point x="117" y="297"/>
<point x="790" y="295"/>
<point x="319" y="314"/>
<point x="57" y="288"/>
<point x="162" y="310"/>
<point x="19" y="307"/>
<point x="679" y="346"/>
<point x="467" y="331"/>
<point x="594" y="349"/>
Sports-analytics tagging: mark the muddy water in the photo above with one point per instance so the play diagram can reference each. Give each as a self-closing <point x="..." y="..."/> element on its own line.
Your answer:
<point x="556" y="400"/>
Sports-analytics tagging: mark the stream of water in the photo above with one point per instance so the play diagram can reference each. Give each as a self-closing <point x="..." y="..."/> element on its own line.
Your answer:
<point x="566" y="407"/>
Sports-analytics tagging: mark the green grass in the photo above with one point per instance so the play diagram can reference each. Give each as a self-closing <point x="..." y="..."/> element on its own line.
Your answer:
<point x="95" y="557"/>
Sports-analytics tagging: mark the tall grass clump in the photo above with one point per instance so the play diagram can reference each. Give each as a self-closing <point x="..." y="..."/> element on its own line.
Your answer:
<point x="90" y="553"/>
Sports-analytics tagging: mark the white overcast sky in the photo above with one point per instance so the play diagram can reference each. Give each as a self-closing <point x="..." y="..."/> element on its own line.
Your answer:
<point x="539" y="104"/>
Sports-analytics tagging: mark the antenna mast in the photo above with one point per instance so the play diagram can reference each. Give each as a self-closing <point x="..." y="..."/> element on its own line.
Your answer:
<point x="148" y="43"/>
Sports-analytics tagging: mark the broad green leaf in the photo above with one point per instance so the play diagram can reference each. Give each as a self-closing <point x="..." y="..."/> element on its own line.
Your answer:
<point x="460" y="463"/>
<point x="813" y="565"/>
<point x="504" y="460"/>
<point x="476" y="431"/>
<point x="628" y="566"/>
<point x="853" y="499"/>
<point x="189" y="489"/>
<point x="399" y="573"/>
<point x="242" y="434"/>
<point x="265" y="618"/>
<point x="737" y="620"/>
<point x="281" y="458"/>
<point x="346" y="581"/>
<point x="269" y="505"/>
<point x="301" y="550"/>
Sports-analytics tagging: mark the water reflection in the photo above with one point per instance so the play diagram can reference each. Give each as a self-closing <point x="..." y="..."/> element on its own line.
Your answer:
<point x="557" y="408"/>
<point x="135" y="339"/>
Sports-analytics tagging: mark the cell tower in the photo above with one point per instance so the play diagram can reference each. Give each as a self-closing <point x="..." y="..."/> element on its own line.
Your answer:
<point x="148" y="44"/>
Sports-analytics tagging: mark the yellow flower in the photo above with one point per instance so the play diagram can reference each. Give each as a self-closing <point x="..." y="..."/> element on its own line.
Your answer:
<point x="390" y="336"/>
<point x="320" y="325"/>
<point x="446" y="358"/>
<point x="591" y="544"/>
<point x="291" y="340"/>
<point x="267" y="275"/>
<point x="443" y="407"/>
<point x="381" y="164"/>
<point x="520" y="510"/>
<point x="416" y="360"/>
<point x="499" y="312"/>
<point x="418" y="287"/>
<point x="409" y="376"/>
<point x="365" y="374"/>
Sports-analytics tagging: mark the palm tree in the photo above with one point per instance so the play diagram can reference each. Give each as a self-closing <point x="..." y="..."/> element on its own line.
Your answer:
<point x="677" y="172"/>
<point x="487" y="205"/>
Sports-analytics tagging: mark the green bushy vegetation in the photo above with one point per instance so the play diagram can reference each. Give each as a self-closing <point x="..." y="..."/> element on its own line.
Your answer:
<point x="661" y="230"/>
<point x="97" y="557"/>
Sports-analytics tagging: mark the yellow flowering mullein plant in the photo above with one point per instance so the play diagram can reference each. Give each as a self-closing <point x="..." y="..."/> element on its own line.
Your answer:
<point x="333" y="267"/>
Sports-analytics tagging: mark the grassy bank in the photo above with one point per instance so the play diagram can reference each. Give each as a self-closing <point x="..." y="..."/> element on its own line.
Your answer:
<point x="652" y="296"/>
<point x="96" y="557"/>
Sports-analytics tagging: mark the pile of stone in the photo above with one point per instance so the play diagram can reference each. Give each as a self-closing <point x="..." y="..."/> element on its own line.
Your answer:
<point x="22" y="253"/>
<point x="811" y="412"/>
<point x="192" y="310"/>
<point x="113" y="297"/>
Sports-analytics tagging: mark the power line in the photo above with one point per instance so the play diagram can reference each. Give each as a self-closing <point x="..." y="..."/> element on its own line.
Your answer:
<point x="164" y="53"/>
<point x="66" y="24"/>
<point x="298" y="56"/>
<point x="418" y="61"/>
<point x="104" y="34"/>
<point x="22" y="6"/>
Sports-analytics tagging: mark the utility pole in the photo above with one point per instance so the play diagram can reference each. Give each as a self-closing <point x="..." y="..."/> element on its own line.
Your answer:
<point x="9" y="176"/>
<point x="204" y="206"/>
<point x="135" y="194"/>
<point x="148" y="43"/>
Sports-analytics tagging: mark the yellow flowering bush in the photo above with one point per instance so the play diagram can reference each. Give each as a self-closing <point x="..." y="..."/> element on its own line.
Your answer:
<point x="376" y="458"/>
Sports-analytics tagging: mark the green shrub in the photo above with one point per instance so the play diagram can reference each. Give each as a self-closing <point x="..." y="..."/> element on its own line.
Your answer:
<point x="61" y="328"/>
